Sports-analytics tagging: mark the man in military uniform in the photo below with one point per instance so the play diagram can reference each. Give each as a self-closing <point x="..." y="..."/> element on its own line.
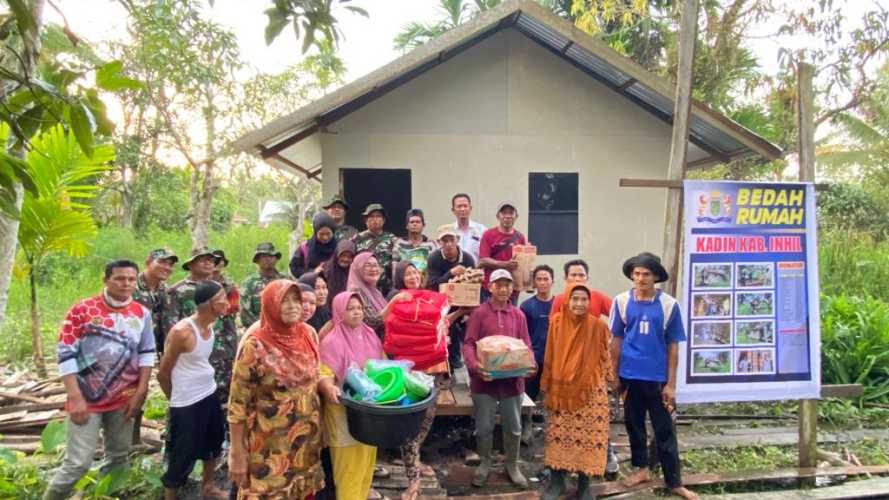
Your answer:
<point x="337" y="207"/>
<point x="265" y="257"/>
<point x="378" y="241"/>
<point x="151" y="292"/>
<point x="201" y="266"/>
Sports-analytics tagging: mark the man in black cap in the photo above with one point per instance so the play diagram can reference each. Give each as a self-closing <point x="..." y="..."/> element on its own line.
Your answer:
<point x="378" y="241"/>
<point x="197" y="424"/>
<point x="265" y="257"/>
<point x="647" y="328"/>
<point x="337" y="207"/>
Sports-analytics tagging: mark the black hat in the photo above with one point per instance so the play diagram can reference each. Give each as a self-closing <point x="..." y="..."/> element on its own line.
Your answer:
<point x="205" y="290"/>
<point x="649" y="261"/>
<point x="221" y="254"/>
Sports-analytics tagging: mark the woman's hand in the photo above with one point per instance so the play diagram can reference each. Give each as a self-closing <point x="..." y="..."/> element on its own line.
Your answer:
<point x="402" y="297"/>
<point x="328" y="390"/>
<point x="237" y="466"/>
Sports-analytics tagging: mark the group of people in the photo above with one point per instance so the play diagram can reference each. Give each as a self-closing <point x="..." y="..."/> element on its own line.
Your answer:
<point x="272" y="393"/>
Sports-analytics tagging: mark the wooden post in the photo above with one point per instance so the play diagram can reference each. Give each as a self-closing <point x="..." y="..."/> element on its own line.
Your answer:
<point x="808" y="408"/>
<point x="688" y="34"/>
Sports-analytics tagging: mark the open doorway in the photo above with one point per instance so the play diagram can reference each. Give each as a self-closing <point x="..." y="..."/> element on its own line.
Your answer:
<point x="389" y="187"/>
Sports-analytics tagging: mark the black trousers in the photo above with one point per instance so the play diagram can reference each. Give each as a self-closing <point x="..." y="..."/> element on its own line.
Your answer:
<point x="196" y="433"/>
<point x="644" y="397"/>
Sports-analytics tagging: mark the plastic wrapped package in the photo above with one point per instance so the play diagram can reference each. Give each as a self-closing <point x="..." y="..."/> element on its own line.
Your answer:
<point x="361" y="385"/>
<point x="504" y="356"/>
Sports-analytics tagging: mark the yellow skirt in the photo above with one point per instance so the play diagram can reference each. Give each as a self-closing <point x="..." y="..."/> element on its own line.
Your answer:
<point x="353" y="470"/>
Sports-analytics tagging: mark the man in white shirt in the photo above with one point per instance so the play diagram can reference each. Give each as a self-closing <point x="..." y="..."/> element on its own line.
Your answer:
<point x="470" y="231"/>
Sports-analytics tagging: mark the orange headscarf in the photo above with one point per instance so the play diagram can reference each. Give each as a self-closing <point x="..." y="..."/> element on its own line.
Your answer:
<point x="297" y="357"/>
<point x="577" y="359"/>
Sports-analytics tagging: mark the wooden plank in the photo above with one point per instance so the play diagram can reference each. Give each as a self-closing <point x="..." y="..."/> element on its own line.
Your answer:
<point x="842" y="391"/>
<point x="32" y="407"/>
<point x="688" y="33"/>
<point x="21" y="397"/>
<point x="656" y="183"/>
<point x="266" y="152"/>
<point x="869" y="488"/>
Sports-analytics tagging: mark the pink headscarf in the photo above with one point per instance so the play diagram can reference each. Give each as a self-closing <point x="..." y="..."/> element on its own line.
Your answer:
<point x="356" y="282"/>
<point x="344" y="344"/>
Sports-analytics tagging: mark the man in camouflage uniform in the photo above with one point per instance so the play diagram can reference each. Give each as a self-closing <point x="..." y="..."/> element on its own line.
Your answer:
<point x="151" y="292"/>
<point x="378" y="241"/>
<point x="337" y="207"/>
<point x="201" y="266"/>
<point x="265" y="257"/>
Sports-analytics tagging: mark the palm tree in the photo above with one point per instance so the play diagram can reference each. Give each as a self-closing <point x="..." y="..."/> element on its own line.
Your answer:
<point x="454" y="13"/>
<point x="53" y="219"/>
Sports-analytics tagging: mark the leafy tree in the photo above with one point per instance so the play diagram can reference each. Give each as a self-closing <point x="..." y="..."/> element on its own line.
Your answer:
<point x="453" y="14"/>
<point x="308" y="18"/>
<point x="53" y="217"/>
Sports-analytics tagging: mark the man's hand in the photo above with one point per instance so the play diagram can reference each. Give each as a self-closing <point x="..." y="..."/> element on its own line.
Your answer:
<point x="485" y="375"/>
<point x="134" y="405"/>
<point x="328" y="390"/>
<point x="457" y="270"/>
<point x="668" y="395"/>
<point x="531" y="372"/>
<point x="510" y="265"/>
<point x="237" y="467"/>
<point x="77" y="411"/>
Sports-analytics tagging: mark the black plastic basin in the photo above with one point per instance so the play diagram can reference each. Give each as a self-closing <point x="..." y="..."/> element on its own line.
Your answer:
<point x="386" y="426"/>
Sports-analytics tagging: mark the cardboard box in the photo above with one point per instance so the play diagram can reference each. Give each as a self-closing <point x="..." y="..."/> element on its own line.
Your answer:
<point x="504" y="357"/>
<point x="526" y="257"/>
<point x="462" y="294"/>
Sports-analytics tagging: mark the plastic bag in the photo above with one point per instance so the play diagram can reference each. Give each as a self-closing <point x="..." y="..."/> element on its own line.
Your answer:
<point x="372" y="366"/>
<point x="364" y="388"/>
<point x="418" y="384"/>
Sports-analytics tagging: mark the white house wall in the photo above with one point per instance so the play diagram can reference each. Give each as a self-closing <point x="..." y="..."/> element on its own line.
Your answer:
<point x="483" y="120"/>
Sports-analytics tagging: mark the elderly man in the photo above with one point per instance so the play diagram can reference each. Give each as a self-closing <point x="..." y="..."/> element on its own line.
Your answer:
<point x="497" y="316"/>
<point x="647" y="328"/>
<point x="379" y="242"/>
<point x="416" y="247"/>
<point x="265" y="257"/>
<point x="104" y="392"/>
<point x="337" y="207"/>
<point x="201" y="266"/>
<point x="443" y="264"/>
<point x="470" y="232"/>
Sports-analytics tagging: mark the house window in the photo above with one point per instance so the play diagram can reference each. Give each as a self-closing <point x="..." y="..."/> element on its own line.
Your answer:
<point x="552" y="217"/>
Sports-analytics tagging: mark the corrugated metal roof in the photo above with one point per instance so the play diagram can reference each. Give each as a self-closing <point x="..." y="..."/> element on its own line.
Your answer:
<point x="711" y="131"/>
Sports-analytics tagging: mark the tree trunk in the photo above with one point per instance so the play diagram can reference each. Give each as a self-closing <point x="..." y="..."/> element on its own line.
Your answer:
<point x="203" y="196"/>
<point x="36" y="340"/>
<point x="126" y="197"/>
<point x="9" y="229"/>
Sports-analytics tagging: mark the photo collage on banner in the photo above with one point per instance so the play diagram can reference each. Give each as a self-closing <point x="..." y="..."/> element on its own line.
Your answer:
<point x="750" y="290"/>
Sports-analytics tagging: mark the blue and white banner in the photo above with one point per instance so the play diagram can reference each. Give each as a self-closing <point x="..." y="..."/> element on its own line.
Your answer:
<point x="750" y="289"/>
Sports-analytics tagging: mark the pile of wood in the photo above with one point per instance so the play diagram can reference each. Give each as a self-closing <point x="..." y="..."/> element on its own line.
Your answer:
<point x="471" y="275"/>
<point x="27" y="404"/>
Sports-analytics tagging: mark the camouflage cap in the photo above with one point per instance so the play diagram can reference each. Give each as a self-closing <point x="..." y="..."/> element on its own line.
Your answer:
<point x="337" y="198"/>
<point x="374" y="207"/>
<point x="200" y="252"/>
<point x="266" y="248"/>
<point x="163" y="253"/>
<point x="221" y="254"/>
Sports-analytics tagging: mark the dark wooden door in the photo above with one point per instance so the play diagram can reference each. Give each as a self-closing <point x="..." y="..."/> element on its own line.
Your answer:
<point x="389" y="187"/>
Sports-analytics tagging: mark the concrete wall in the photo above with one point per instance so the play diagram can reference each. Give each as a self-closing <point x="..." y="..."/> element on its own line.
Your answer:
<point x="483" y="120"/>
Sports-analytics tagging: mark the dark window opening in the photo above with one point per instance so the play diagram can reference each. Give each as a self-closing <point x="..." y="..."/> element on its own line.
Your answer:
<point x="389" y="187"/>
<point x="552" y="217"/>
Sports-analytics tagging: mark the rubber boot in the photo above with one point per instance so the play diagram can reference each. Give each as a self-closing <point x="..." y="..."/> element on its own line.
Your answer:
<point x="556" y="485"/>
<point x="583" y="488"/>
<point x="511" y="450"/>
<point x="484" y="444"/>
<point x="527" y="429"/>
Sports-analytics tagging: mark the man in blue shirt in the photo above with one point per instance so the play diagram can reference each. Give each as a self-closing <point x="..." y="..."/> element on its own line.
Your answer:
<point x="647" y="328"/>
<point x="536" y="310"/>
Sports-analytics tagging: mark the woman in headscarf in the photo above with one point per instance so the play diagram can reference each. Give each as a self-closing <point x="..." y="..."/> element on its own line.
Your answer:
<point x="318" y="249"/>
<point x="274" y="409"/>
<point x="364" y="273"/>
<point x="576" y="369"/>
<point x="406" y="277"/>
<point x="336" y="271"/>
<point x="350" y="341"/>
<point x="320" y="312"/>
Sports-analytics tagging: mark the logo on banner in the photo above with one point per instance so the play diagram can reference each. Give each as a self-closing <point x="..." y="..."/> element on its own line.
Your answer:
<point x="714" y="207"/>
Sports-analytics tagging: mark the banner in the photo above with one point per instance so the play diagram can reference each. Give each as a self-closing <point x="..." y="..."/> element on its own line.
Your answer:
<point x="750" y="284"/>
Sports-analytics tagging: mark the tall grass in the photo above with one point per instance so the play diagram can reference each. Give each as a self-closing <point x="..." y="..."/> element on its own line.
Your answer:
<point x="854" y="264"/>
<point x="65" y="279"/>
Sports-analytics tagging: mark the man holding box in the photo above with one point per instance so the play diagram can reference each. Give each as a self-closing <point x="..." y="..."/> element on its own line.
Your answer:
<point x="450" y="261"/>
<point x="495" y="249"/>
<point x="497" y="316"/>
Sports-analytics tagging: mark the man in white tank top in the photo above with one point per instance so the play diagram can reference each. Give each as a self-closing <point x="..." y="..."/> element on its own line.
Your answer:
<point x="197" y="424"/>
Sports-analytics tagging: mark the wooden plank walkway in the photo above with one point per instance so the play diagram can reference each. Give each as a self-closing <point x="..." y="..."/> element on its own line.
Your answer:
<point x="867" y="488"/>
<point x="457" y="400"/>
